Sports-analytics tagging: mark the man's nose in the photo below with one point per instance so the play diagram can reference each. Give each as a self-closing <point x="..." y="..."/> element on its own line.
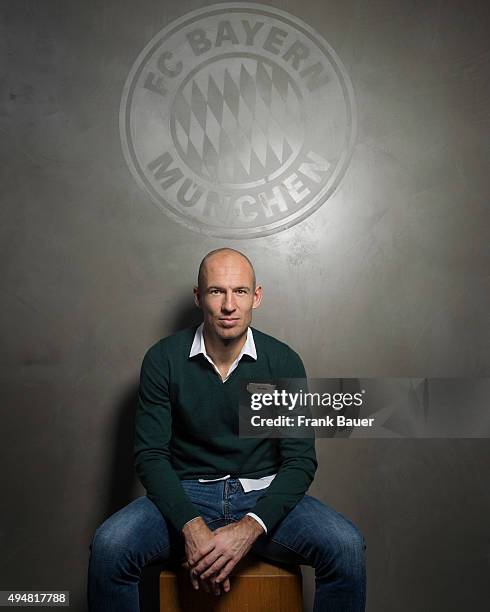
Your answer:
<point x="229" y="303"/>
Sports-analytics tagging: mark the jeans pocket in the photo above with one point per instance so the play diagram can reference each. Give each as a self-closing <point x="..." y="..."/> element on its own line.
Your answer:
<point x="191" y="487"/>
<point x="207" y="496"/>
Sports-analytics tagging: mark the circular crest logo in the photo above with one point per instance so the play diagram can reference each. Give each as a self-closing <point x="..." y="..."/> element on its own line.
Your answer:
<point x="238" y="120"/>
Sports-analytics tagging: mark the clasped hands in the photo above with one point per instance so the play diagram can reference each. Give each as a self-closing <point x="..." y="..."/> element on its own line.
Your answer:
<point x="211" y="555"/>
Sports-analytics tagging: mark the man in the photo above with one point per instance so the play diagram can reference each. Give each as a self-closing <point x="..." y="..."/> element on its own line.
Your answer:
<point x="211" y="494"/>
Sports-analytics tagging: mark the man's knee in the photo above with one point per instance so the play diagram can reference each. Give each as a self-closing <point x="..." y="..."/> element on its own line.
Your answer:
<point x="109" y="549"/>
<point x="343" y="551"/>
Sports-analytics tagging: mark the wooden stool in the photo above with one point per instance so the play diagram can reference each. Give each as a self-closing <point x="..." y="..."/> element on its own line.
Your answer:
<point x="256" y="586"/>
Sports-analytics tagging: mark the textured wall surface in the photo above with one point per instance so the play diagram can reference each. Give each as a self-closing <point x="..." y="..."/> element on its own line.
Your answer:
<point x="389" y="278"/>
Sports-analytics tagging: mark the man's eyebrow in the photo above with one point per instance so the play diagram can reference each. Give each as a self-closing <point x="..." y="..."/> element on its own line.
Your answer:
<point x="214" y="287"/>
<point x="241" y="287"/>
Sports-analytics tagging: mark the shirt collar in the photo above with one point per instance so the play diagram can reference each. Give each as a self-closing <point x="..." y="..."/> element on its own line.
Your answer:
<point x="198" y="347"/>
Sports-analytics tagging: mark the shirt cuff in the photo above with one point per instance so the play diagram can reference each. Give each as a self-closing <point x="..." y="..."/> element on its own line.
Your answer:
<point x="259" y="521"/>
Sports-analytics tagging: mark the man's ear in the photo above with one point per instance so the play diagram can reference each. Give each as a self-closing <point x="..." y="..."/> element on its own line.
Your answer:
<point x="258" y="294"/>
<point x="197" y="300"/>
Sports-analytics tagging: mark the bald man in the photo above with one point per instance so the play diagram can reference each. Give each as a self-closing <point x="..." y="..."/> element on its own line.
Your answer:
<point x="211" y="495"/>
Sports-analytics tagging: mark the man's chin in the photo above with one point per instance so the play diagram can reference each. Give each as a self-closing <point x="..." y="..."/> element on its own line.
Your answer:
<point x="230" y="333"/>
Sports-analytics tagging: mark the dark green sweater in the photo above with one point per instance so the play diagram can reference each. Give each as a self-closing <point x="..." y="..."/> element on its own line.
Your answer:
<point x="186" y="427"/>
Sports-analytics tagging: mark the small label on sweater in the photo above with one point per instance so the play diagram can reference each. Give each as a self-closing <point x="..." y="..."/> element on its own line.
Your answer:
<point x="260" y="388"/>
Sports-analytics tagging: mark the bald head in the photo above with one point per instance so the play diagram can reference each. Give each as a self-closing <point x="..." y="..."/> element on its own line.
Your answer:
<point x="227" y="294"/>
<point x="222" y="254"/>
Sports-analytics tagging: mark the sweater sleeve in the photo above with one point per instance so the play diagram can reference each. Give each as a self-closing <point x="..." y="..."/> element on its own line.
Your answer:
<point x="153" y="431"/>
<point x="297" y="469"/>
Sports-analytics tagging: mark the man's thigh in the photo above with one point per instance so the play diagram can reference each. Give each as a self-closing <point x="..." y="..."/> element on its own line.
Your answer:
<point x="310" y="533"/>
<point x="139" y="530"/>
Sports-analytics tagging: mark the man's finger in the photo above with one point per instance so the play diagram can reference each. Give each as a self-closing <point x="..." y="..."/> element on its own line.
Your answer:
<point x="215" y="568"/>
<point x="194" y="581"/>
<point x="226" y="585"/>
<point x="206" y="562"/>
<point x="225" y="571"/>
<point x="201" y="552"/>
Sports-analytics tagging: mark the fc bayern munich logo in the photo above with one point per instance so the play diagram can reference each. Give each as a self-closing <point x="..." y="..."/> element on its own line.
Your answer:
<point x="238" y="120"/>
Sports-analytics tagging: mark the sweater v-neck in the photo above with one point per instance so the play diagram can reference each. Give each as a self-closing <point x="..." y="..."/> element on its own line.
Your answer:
<point x="217" y="377"/>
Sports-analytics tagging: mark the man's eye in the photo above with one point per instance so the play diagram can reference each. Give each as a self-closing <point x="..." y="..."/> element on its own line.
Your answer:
<point x="241" y="291"/>
<point x="215" y="291"/>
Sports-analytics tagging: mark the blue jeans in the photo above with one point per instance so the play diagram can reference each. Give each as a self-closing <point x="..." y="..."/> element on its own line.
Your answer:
<point x="311" y="534"/>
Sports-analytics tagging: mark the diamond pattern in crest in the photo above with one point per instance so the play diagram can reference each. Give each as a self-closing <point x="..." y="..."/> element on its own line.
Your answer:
<point x="237" y="120"/>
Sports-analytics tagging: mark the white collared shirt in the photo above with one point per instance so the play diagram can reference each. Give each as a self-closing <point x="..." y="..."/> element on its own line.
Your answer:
<point x="198" y="347"/>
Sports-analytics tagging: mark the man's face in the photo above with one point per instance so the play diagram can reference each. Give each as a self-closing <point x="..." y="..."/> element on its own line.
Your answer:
<point x="227" y="296"/>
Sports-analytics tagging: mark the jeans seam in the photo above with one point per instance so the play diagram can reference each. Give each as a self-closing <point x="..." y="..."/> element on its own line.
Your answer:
<point x="291" y="549"/>
<point x="226" y="502"/>
<point x="167" y="547"/>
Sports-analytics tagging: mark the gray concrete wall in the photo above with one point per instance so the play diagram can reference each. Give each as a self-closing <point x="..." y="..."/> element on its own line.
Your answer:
<point x="388" y="278"/>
